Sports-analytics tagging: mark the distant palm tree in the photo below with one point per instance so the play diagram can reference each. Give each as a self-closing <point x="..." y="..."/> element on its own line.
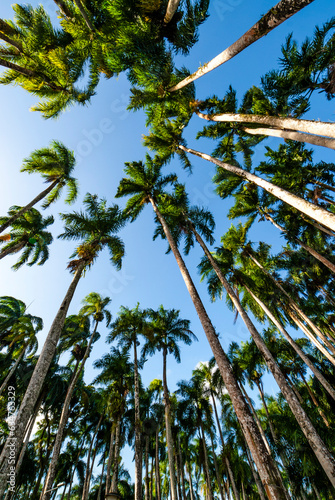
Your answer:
<point x="28" y="234"/>
<point x="55" y="164"/>
<point x="168" y="330"/>
<point x="96" y="228"/>
<point x="94" y="306"/>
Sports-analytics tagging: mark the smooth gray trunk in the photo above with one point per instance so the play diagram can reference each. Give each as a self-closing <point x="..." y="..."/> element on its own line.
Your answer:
<point x="316" y="140"/>
<point x="263" y="460"/>
<point x="38" y="377"/>
<point x="314" y="211"/>
<point x="12" y="370"/>
<point x="327" y="386"/>
<point x="29" y="205"/>
<point x="110" y="459"/>
<point x="138" y="452"/>
<point x="273" y="18"/>
<point x="63" y="421"/>
<point x="322" y="453"/>
<point x="310" y="127"/>
<point x="169" y="439"/>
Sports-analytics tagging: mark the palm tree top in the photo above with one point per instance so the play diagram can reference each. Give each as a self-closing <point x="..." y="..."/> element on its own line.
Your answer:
<point x="55" y="162"/>
<point x="94" y="304"/>
<point x="96" y="227"/>
<point x="144" y="180"/>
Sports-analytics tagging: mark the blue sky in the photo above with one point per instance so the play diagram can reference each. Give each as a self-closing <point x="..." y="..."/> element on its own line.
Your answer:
<point x="104" y="135"/>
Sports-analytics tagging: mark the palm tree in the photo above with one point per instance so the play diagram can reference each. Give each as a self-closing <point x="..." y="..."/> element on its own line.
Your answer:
<point x="117" y="376"/>
<point x="129" y="324"/>
<point x="21" y="341"/>
<point x="12" y="311"/>
<point x="96" y="228"/>
<point x="145" y="183"/>
<point x="273" y="18"/>
<point x="95" y="307"/>
<point x="29" y="234"/>
<point x="168" y="329"/>
<point x="56" y="164"/>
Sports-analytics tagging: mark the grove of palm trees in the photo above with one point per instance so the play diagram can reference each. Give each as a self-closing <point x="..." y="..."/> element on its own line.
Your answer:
<point x="167" y="310"/>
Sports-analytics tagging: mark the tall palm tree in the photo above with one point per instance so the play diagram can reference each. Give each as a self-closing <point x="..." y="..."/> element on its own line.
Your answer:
<point x="273" y="18"/>
<point x="168" y="330"/>
<point x="144" y="184"/>
<point x="95" y="307"/>
<point x="29" y="234"/>
<point x="12" y="311"/>
<point x="129" y="324"/>
<point x="56" y="164"/>
<point x="96" y="228"/>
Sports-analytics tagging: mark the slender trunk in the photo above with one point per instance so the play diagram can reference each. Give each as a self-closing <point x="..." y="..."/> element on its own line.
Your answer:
<point x="311" y="337"/>
<point x="12" y="370"/>
<point x="324" y="186"/>
<point x="63" y="8"/>
<point x="209" y="494"/>
<point x="13" y="249"/>
<point x="255" y="475"/>
<point x="115" y="477"/>
<point x="273" y="18"/>
<point x="260" y="390"/>
<point x="169" y="439"/>
<point x="263" y="460"/>
<point x="38" y="377"/>
<point x="109" y="461"/>
<point x="232" y="479"/>
<point x="27" y="436"/>
<point x="190" y="480"/>
<point x="11" y="42"/>
<point x="171" y="8"/>
<point x="297" y="309"/>
<point x="146" y="462"/>
<point x="259" y="425"/>
<point x="138" y="458"/>
<point x="314" y="211"/>
<point x="327" y="386"/>
<point x="303" y="245"/>
<point x="178" y="470"/>
<point x="320" y="227"/>
<point x="322" y="453"/>
<point x="316" y="140"/>
<point x="29" y="205"/>
<point x="23" y="71"/>
<point x="182" y="475"/>
<point x="310" y="127"/>
<point x="151" y="478"/>
<point x="63" y="420"/>
<point x="217" y="474"/>
<point x="157" y="472"/>
<point x="74" y="470"/>
<point x="89" y="467"/>
<point x="314" y="400"/>
<point x="84" y="15"/>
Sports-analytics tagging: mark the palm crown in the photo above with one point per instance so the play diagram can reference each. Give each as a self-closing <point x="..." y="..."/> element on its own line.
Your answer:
<point x="96" y="227"/>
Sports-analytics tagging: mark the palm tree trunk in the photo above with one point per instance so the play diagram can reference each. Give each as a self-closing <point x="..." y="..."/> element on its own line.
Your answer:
<point x="169" y="439"/>
<point x="294" y="306"/>
<point x="171" y="8"/>
<point x="84" y="15"/>
<point x="311" y="337"/>
<point x="325" y="458"/>
<point x="182" y="474"/>
<point x="209" y="493"/>
<point x="314" y="400"/>
<point x="217" y="474"/>
<point x="316" y="140"/>
<point x="157" y="472"/>
<point x="146" y="464"/>
<point x="27" y="207"/>
<point x="13" y="249"/>
<point x="310" y="127"/>
<point x="110" y="458"/>
<point x="89" y="466"/>
<point x="253" y="411"/>
<point x="230" y="472"/>
<point x="273" y="18"/>
<point x="138" y="459"/>
<point x="12" y="370"/>
<point x="178" y="470"/>
<point x="327" y="386"/>
<point x="255" y="475"/>
<point x="303" y="245"/>
<point x="23" y="71"/>
<point x="63" y="8"/>
<point x="115" y="477"/>
<point x="263" y="460"/>
<point x="314" y="211"/>
<point x="40" y="372"/>
<point x="63" y="420"/>
<point x="188" y="466"/>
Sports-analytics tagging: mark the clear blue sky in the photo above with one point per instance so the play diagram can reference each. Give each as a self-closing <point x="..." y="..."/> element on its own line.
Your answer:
<point x="104" y="136"/>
